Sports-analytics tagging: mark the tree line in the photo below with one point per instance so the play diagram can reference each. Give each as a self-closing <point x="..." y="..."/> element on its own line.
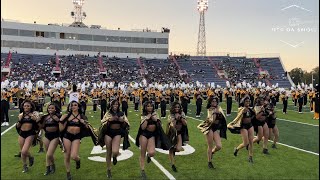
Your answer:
<point x="299" y="75"/>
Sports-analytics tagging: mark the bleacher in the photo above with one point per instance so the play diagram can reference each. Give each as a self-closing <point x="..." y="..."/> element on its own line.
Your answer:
<point x="202" y="69"/>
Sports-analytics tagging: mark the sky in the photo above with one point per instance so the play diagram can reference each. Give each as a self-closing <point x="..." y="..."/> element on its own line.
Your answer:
<point x="289" y="28"/>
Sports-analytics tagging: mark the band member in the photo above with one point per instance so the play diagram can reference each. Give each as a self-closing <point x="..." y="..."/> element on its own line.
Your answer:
<point x="50" y="124"/>
<point x="14" y="90"/>
<point x="21" y="94"/>
<point x="284" y="97"/>
<point x="243" y="124"/>
<point x="83" y="99"/>
<point x="26" y="127"/>
<point x="238" y="98"/>
<point x="216" y="120"/>
<point x="95" y="100"/>
<point x="145" y="97"/>
<point x="295" y="97"/>
<point x="73" y="126"/>
<point x="62" y="95"/>
<point x="177" y="131"/>
<point x="114" y="126"/>
<point x="124" y="104"/>
<point x="172" y="96"/>
<point x="157" y="98"/>
<point x="136" y="99"/>
<point x="228" y="96"/>
<point x="56" y="99"/>
<point x="299" y="96"/>
<point x="204" y="94"/>
<point x="103" y="102"/>
<point x="305" y="98"/>
<point x="273" y="98"/>
<point x="199" y="105"/>
<point x="311" y="99"/>
<point x="259" y="122"/>
<point x="163" y="106"/>
<point x="41" y="97"/>
<point x="184" y="102"/>
<point x="316" y="106"/>
<point x="220" y="94"/>
<point x="150" y="135"/>
<point x="271" y="122"/>
<point x="5" y="106"/>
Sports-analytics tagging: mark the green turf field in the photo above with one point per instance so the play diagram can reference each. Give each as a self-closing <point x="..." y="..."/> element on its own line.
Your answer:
<point x="282" y="163"/>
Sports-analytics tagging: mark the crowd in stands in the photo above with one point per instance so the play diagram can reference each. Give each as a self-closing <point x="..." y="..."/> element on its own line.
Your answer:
<point x="82" y="68"/>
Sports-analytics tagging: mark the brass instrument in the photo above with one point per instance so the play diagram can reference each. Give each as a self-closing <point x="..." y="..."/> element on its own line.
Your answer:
<point x="20" y="94"/>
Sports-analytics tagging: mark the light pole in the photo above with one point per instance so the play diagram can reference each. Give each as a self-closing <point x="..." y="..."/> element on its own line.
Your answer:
<point x="202" y="8"/>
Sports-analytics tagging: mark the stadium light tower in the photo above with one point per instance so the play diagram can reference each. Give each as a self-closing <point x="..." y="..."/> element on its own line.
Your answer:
<point x="78" y="14"/>
<point x="202" y="8"/>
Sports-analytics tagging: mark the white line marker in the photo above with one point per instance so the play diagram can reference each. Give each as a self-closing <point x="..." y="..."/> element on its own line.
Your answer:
<point x="298" y="148"/>
<point x="8" y="129"/>
<point x="298" y="122"/>
<point x="166" y="172"/>
<point x="293" y="121"/>
<point x="277" y="143"/>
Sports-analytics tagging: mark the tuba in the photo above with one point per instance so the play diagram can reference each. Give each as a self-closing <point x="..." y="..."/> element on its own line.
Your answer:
<point x="99" y="84"/>
<point x="14" y="84"/>
<point x="51" y="84"/>
<point x="65" y="84"/>
<point x="40" y="84"/>
<point x="87" y="84"/>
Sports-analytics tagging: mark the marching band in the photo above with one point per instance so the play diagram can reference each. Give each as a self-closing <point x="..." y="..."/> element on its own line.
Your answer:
<point x="256" y="113"/>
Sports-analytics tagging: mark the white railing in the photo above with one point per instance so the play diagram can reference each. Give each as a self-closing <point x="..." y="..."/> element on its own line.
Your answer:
<point x="262" y="55"/>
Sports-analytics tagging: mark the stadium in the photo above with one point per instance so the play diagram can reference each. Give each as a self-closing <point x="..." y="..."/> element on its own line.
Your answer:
<point x="115" y="75"/>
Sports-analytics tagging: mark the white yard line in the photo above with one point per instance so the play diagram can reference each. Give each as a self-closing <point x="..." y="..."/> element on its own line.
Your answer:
<point x="166" y="172"/>
<point x="292" y="121"/>
<point x="297" y="148"/>
<point x="298" y="122"/>
<point x="8" y="129"/>
<point x="278" y="142"/>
